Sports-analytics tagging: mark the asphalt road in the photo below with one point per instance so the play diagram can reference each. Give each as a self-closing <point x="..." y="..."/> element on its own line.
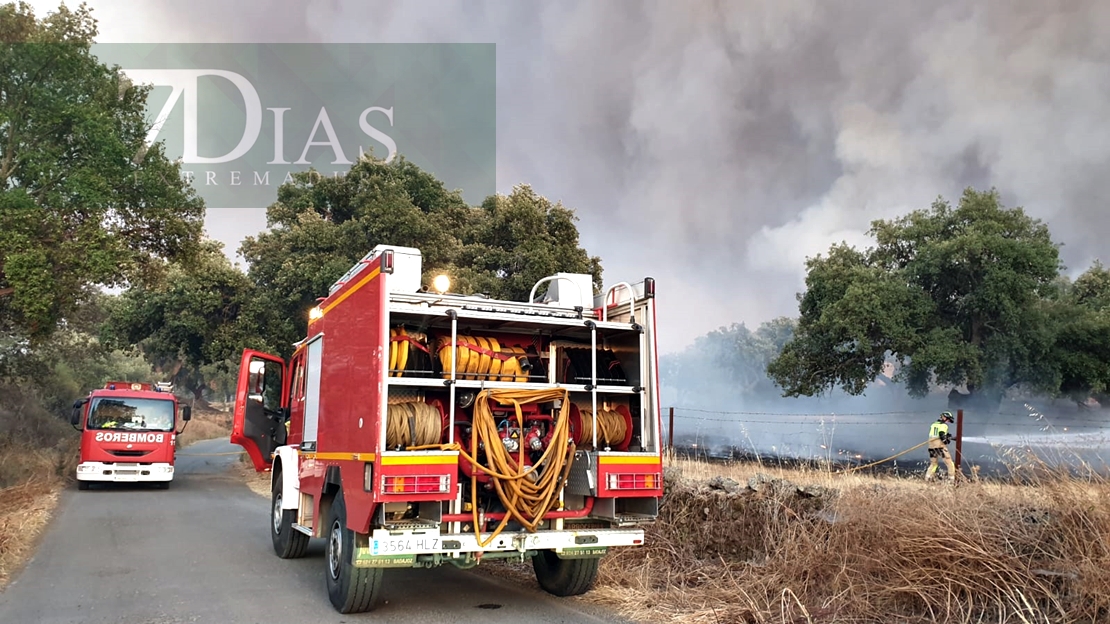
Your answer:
<point x="200" y="552"/>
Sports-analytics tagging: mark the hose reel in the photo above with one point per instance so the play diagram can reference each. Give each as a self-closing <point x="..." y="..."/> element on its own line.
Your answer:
<point x="413" y="423"/>
<point x="614" y="427"/>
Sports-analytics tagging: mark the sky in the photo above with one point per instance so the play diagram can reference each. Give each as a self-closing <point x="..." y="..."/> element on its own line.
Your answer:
<point x="716" y="145"/>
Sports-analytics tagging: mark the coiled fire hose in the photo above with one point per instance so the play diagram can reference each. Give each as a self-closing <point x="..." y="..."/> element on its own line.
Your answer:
<point x="520" y="491"/>
<point x="412" y="423"/>
<point x="400" y="344"/>
<point x="611" y="428"/>
<point x="482" y="357"/>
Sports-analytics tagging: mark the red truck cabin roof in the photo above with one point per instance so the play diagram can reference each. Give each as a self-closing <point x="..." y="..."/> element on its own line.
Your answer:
<point x="133" y="394"/>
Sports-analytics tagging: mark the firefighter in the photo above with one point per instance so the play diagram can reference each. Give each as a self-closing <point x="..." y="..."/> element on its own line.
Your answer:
<point x="938" y="447"/>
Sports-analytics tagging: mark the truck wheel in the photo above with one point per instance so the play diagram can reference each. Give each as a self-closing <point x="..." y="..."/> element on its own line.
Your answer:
<point x="351" y="589"/>
<point x="82" y="485"/>
<point x="564" y="577"/>
<point x="163" y="485"/>
<point x="289" y="543"/>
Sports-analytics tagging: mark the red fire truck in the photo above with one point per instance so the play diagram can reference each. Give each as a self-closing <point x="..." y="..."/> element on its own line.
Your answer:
<point x="128" y="433"/>
<point x="414" y="427"/>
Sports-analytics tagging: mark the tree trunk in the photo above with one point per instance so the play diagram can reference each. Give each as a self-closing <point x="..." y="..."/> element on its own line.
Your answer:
<point x="198" y="398"/>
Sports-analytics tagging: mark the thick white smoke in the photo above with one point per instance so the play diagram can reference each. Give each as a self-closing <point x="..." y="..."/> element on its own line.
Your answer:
<point x="714" y="145"/>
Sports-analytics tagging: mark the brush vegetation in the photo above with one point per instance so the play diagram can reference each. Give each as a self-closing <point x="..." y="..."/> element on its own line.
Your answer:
<point x="743" y="543"/>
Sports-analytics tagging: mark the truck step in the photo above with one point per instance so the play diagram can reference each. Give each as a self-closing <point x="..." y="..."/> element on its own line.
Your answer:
<point x="303" y="529"/>
<point x="410" y="525"/>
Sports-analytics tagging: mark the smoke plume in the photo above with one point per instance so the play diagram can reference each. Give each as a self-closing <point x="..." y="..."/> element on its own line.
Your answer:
<point x="714" y="145"/>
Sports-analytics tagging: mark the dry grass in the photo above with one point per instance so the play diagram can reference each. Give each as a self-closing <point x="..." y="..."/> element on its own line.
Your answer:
<point x="872" y="550"/>
<point x="38" y="451"/>
<point x="258" y="482"/>
<point x="205" y="425"/>
<point x="24" y="512"/>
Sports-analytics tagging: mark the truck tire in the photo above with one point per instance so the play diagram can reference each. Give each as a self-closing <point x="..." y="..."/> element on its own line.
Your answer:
<point x="289" y="543"/>
<point x="564" y="577"/>
<point x="163" y="485"/>
<point x="351" y="589"/>
<point x="82" y="485"/>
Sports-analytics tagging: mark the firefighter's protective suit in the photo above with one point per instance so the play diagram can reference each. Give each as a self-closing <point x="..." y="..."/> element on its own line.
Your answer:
<point x="938" y="447"/>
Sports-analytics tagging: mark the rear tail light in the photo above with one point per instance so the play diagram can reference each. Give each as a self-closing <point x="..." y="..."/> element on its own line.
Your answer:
<point x="633" y="481"/>
<point x="416" y="484"/>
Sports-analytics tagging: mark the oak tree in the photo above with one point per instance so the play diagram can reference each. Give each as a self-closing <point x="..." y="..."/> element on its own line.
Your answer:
<point x="954" y="295"/>
<point x="83" y="201"/>
<point x="320" y="226"/>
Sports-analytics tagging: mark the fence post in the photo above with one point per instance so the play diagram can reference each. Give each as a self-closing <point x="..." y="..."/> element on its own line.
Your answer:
<point x="670" y="432"/>
<point x="959" y="437"/>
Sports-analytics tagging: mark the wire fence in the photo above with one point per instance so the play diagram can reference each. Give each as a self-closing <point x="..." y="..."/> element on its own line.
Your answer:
<point x="862" y="436"/>
<point x="1028" y="419"/>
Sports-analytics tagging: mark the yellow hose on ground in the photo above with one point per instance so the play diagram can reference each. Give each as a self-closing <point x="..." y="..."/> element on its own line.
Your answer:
<point x="611" y="427"/>
<point x="912" y="448"/>
<point x="520" y="490"/>
<point x="481" y="357"/>
<point x="412" y="423"/>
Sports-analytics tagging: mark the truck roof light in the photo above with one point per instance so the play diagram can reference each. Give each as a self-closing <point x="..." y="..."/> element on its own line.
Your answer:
<point x="387" y="261"/>
<point x="649" y="287"/>
<point x="441" y="283"/>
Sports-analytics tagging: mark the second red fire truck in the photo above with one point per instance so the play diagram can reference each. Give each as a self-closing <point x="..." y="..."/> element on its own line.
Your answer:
<point x="413" y="427"/>
<point x="128" y="433"/>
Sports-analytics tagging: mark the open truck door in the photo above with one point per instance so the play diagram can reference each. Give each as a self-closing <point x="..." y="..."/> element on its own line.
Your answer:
<point x="260" y="412"/>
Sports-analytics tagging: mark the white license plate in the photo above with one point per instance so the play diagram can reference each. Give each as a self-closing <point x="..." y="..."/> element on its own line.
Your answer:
<point x="405" y="545"/>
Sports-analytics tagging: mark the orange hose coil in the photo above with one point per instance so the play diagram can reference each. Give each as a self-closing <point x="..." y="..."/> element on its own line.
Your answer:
<point x="611" y="428"/>
<point x="481" y="357"/>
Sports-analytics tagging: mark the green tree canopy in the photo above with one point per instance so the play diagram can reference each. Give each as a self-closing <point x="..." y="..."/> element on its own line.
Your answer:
<point x="954" y="295"/>
<point x="321" y="226"/>
<point x="83" y="201"/>
<point x="71" y="361"/>
<point x="1080" y="314"/>
<point x="191" y="325"/>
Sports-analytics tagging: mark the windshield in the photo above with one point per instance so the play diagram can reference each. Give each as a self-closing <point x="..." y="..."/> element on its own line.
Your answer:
<point x="131" y="414"/>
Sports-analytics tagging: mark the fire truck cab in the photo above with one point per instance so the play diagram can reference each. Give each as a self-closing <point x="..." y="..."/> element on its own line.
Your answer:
<point x="415" y="427"/>
<point x="128" y="433"/>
